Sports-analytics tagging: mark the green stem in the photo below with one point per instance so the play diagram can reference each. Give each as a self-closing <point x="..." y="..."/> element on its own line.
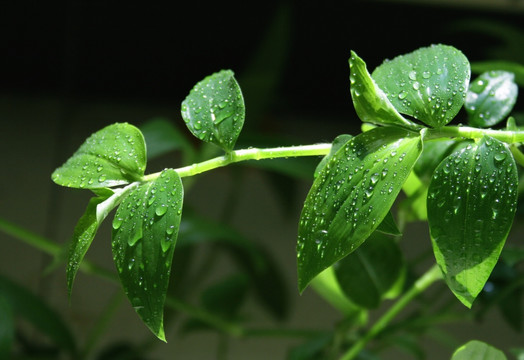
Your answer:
<point x="248" y="154"/>
<point x="507" y="136"/>
<point x="432" y="275"/>
<point x="30" y="238"/>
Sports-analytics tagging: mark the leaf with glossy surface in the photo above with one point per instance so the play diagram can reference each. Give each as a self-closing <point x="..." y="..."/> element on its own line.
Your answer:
<point x="115" y="155"/>
<point x="337" y="143"/>
<point x="515" y="68"/>
<point x="491" y="98"/>
<point x="429" y="84"/>
<point x="370" y="102"/>
<point x="352" y="195"/>
<point x="471" y="204"/>
<point x="478" y="350"/>
<point x="145" y="229"/>
<point x="29" y="306"/>
<point x="368" y="273"/>
<point x="214" y="110"/>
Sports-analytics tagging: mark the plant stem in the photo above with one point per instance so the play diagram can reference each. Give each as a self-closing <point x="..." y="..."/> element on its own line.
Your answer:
<point x="507" y="136"/>
<point x="248" y="154"/>
<point x="30" y="238"/>
<point x="432" y="275"/>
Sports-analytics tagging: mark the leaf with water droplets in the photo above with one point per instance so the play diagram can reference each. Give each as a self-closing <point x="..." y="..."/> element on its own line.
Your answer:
<point x="145" y="229"/>
<point x="214" y="110"/>
<point x="113" y="156"/>
<point x="491" y="98"/>
<point x="87" y="226"/>
<point x="429" y="84"/>
<point x="367" y="274"/>
<point x="471" y="204"/>
<point x="478" y="350"/>
<point x="339" y="141"/>
<point x="351" y="196"/>
<point x="370" y="102"/>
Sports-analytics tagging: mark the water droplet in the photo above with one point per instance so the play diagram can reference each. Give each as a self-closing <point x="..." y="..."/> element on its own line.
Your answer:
<point x="500" y="156"/>
<point x="426" y="74"/>
<point x="402" y="95"/>
<point x="412" y="75"/>
<point x="416" y="85"/>
<point x="117" y="222"/>
<point x="102" y="178"/>
<point x="161" y="210"/>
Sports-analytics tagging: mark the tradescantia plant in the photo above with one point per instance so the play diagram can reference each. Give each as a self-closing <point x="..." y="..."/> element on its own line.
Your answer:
<point x="462" y="179"/>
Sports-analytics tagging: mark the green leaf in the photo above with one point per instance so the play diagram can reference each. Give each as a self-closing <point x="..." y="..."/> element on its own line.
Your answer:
<point x="491" y="98"/>
<point x="352" y="195"/>
<point x="368" y="273"/>
<point x="370" y="102"/>
<point x="429" y="84"/>
<point x="471" y="204"/>
<point x="145" y="229"/>
<point x="515" y="68"/>
<point x="434" y="152"/>
<point x="389" y="226"/>
<point x="214" y="110"/>
<point x="339" y="141"/>
<point x="87" y="226"/>
<point x="30" y="307"/>
<point x="7" y="327"/>
<point x="115" y="155"/>
<point x="478" y="350"/>
<point x="162" y="137"/>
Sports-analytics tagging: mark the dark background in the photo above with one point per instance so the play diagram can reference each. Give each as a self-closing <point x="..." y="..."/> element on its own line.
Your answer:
<point x="69" y="68"/>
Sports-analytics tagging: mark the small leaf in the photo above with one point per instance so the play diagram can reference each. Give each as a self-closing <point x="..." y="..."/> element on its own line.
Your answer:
<point x="491" y="98"/>
<point x="478" y="350"/>
<point x="368" y="273"/>
<point x="115" y="155"/>
<point x="24" y="304"/>
<point x="429" y="84"/>
<point x="145" y="229"/>
<point x="471" y="204"/>
<point x="515" y="68"/>
<point x="352" y="195"/>
<point x="86" y="228"/>
<point x="370" y="102"/>
<point x="214" y="110"/>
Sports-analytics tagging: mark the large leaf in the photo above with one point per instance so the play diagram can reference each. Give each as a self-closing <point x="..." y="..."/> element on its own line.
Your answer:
<point x="30" y="307"/>
<point x="429" y="84"/>
<point x="491" y="98"/>
<point x="113" y="156"/>
<point x="370" y="102"/>
<point x="471" y="204"/>
<point x="145" y="229"/>
<point x="351" y="196"/>
<point x="368" y="273"/>
<point x="214" y="110"/>
<point x="478" y="350"/>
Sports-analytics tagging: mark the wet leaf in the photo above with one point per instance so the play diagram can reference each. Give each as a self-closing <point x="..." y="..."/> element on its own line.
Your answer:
<point x="368" y="273"/>
<point x="429" y="84"/>
<point x="338" y="142"/>
<point x="478" y="350"/>
<point x="214" y="110"/>
<point x="471" y="204"/>
<point x="145" y="229"/>
<point x="515" y="68"/>
<point x="370" y="102"/>
<point x="115" y="155"/>
<point x="491" y="98"/>
<point x="352" y="195"/>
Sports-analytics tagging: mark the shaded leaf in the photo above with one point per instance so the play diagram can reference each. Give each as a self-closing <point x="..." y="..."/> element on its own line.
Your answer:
<point x="24" y="304"/>
<point x="434" y="152"/>
<point x="352" y="195"/>
<point x="429" y="84"/>
<point x="255" y="260"/>
<point x="389" y="226"/>
<point x="115" y="155"/>
<point x="162" y="137"/>
<point x="368" y="273"/>
<point x="7" y="327"/>
<point x="471" y="204"/>
<point x="313" y="349"/>
<point x="214" y="110"/>
<point x="145" y="229"/>
<point x="371" y="103"/>
<point x="226" y="296"/>
<point x="478" y="350"/>
<point x="491" y="98"/>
